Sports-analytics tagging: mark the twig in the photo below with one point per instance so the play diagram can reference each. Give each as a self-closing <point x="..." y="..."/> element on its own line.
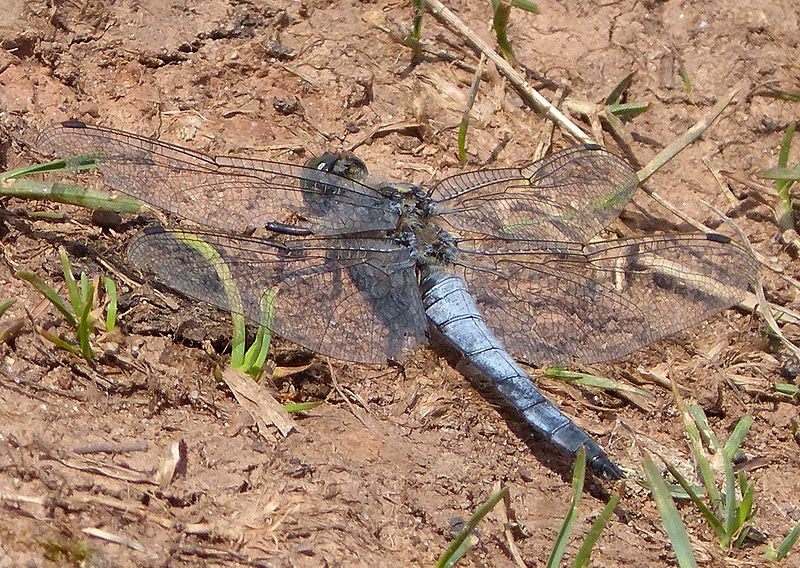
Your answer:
<point x="113" y="537"/>
<point x="687" y="138"/>
<point x="473" y="94"/>
<point x="762" y="304"/>
<point x="750" y="304"/>
<point x="16" y="382"/>
<point x="665" y="155"/>
<point x="228" y="556"/>
<point x="733" y="202"/>
<point x="112" y="448"/>
<point x="17" y="499"/>
<point x="344" y="396"/>
<point x="528" y="93"/>
<point x="503" y="516"/>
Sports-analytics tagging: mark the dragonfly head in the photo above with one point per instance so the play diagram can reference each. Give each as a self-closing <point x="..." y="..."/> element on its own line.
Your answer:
<point x="342" y="164"/>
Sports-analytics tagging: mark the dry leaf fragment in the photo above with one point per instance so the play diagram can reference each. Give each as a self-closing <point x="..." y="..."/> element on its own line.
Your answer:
<point x="258" y="402"/>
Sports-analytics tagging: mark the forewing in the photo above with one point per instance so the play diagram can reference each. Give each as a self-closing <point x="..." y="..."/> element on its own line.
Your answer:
<point x="227" y="193"/>
<point x="565" y="303"/>
<point x="569" y="196"/>
<point x="356" y="300"/>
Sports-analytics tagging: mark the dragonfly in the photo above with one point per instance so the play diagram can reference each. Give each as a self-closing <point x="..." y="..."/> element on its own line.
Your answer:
<point x="503" y="264"/>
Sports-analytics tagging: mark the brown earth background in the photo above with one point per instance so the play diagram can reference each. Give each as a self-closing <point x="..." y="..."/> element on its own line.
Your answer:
<point x="380" y="470"/>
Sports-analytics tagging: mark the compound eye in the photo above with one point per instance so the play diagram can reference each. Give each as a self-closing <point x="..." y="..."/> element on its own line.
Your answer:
<point x="342" y="164"/>
<point x="324" y="163"/>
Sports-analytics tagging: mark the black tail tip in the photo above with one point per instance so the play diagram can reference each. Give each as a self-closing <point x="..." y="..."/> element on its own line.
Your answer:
<point x="603" y="465"/>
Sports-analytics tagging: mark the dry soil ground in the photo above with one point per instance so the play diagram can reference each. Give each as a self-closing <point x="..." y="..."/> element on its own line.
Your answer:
<point x="379" y="483"/>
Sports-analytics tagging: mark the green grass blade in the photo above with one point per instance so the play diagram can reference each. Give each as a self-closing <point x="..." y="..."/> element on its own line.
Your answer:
<point x="296" y="407"/>
<point x="585" y="551"/>
<point x="578" y="477"/>
<point x="253" y="353"/>
<point x="789" y="174"/>
<point x="787" y="388"/>
<point x="696" y="426"/>
<point x="628" y="110"/>
<point x="785" y="546"/>
<point x="587" y="380"/>
<point x="238" y="341"/>
<point x="783" y="209"/>
<point x="462" y="129"/>
<point x="446" y="559"/>
<point x="256" y="355"/>
<point x="111" y="310"/>
<point x="745" y="510"/>
<point x="502" y="11"/>
<point x="85" y="323"/>
<point x="49" y="292"/>
<point x="710" y="517"/>
<point x="680" y="143"/>
<point x="45" y="215"/>
<point x="5" y="305"/>
<point x="60" y="343"/>
<point x="526" y="5"/>
<point x="616" y="93"/>
<point x="789" y="96"/>
<point x="461" y="551"/>
<point x="462" y="138"/>
<point x="707" y="434"/>
<point x="214" y="259"/>
<point x="687" y="81"/>
<point x="734" y="442"/>
<point x="69" y="194"/>
<point x="786" y="145"/>
<point x="730" y="505"/>
<point x="85" y="298"/>
<point x="69" y="279"/>
<point x="267" y="321"/>
<point x="419" y="12"/>
<point x="676" y="532"/>
<point x="74" y="163"/>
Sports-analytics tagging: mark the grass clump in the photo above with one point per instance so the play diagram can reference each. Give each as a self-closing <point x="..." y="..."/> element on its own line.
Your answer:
<point x="583" y="556"/>
<point x="244" y="358"/>
<point x="81" y="310"/>
<point x="725" y="499"/>
<point x="67" y="552"/>
<point x="727" y="505"/>
<point x="466" y="538"/>
<point x="784" y="178"/>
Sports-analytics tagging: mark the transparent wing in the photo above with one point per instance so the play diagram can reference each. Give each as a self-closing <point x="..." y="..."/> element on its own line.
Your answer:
<point x="562" y="303"/>
<point x="569" y="196"/>
<point x="226" y="193"/>
<point x="356" y="300"/>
